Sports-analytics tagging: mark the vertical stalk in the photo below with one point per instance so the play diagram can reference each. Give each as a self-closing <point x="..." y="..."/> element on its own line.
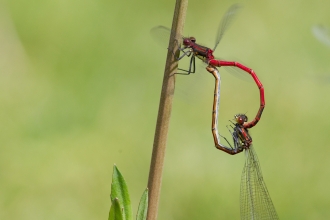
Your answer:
<point x="164" y="111"/>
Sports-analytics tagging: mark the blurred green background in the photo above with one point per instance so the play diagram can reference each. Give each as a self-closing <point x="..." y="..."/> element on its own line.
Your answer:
<point x="80" y="84"/>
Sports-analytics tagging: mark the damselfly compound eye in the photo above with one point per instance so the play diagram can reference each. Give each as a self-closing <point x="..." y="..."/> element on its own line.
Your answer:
<point x="186" y="42"/>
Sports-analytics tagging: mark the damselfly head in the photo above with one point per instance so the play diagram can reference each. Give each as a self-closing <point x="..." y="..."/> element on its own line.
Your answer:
<point x="189" y="41"/>
<point x="241" y="118"/>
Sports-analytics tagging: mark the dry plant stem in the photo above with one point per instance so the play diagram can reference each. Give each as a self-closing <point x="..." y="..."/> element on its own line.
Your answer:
<point x="164" y="112"/>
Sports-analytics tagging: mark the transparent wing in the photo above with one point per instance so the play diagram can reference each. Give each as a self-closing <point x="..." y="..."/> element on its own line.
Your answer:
<point x="161" y="35"/>
<point x="225" y="22"/>
<point x="322" y="34"/>
<point x="255" y="200"/>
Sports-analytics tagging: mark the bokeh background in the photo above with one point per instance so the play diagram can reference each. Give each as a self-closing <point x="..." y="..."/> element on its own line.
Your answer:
<point x="80" y="84"/>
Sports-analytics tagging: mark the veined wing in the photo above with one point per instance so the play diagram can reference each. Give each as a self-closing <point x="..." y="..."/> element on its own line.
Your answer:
<point x="161" y="35"/>
<point x="255" y="200"/>
<point x="225" y="23"/>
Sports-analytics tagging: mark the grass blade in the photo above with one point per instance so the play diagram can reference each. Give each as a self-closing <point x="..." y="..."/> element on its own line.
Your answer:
<point x="143" y="206"/>
<point x="119" y="190"/>
<point x="115" y="211"/>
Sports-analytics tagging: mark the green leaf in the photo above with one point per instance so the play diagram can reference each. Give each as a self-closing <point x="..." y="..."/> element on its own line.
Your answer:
<point x="119" y="190"/>
<point x="115" y="211"/>
<point x="143" y="206"/>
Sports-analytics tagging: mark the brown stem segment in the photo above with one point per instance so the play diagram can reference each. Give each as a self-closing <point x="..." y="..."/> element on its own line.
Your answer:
<point x="164" y="111"/>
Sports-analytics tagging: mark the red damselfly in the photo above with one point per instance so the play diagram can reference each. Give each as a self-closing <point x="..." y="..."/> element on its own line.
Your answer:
<point x="192" y="49"/>
<point x="255" y="199"/>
